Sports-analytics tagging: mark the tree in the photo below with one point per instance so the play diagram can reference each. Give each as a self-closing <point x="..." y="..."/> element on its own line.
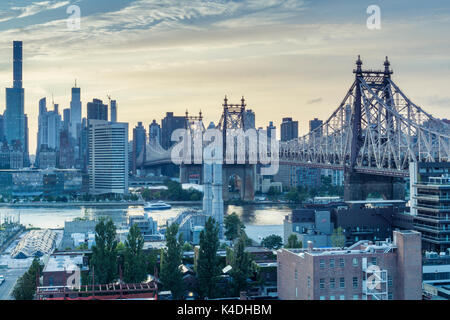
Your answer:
<point x="241" y="266"/>
<point x="293" y="242"/>
<point x="104" y="252"/>
<point x="272" y="242"/>
<point x="25" y="287"/>
<point x="135" y="270"/>
<point x="273" y="193"/>
<point x="338" y="238"/>
<point x="171" y="276"/>
<point x="233" y="226"/>
<point x="208" y="270"/>
<point x="187" y="247"/>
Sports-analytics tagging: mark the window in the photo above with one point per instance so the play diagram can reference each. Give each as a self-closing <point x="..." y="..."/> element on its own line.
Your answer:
<point x="322" y="264"/>
<point x="341" y="262"/>
<point x="332" y="298"/>
<point x="342" y="297"/>
<point x="355" y="262"/>
<point x="331" y="263"/>
<point x="341" y="282"/>
<point x="296" y="275"/>
<point x="390" y="281"/>
<point x="374" y="261"/>
<point x="296" y="292"/>
<point x="355" y="282"/>
<point x="332" y="283"/>
<point x="322" y="283"/>
<point x="355" y="297"/>
<point x="322" y="298"/>
<point x="390" y="296"/>
<point x="309" y="282"/>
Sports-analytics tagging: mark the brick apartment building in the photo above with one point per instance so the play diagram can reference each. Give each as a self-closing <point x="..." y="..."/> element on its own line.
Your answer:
<point x="348" y="274"/>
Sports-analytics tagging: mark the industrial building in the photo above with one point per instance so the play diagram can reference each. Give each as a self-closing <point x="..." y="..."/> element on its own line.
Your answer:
<point x="36" y="243"/>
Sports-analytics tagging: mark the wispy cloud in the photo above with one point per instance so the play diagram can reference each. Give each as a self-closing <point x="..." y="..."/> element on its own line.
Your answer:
<point x="155" y="56"/>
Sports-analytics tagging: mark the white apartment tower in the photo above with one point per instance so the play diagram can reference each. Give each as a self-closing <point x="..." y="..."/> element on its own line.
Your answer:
<point x="108" y="157"/>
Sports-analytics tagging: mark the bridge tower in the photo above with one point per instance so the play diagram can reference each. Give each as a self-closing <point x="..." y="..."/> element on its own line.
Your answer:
<point x="233" y="119"/>
<point x="357" y="185"/>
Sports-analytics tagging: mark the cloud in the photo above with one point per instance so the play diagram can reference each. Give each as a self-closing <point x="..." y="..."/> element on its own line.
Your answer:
<point x="33" y="9"/>
<point x="313" y="101"/>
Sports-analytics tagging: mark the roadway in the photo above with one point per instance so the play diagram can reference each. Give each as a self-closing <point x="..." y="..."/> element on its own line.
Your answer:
<point x="12" y="269"/>
<point x="11" y="277"/>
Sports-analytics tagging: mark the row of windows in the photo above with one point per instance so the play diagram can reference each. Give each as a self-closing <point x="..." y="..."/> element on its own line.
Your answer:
<point x="355" y="282"/>
<point x="341" y="283"/>
<point x="354" y="297"/>
<point x="341" y="297"/>
<point x="355" y="262"/>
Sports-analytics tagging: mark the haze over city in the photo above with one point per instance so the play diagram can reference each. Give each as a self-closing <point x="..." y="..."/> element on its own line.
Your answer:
<point x="295" y="57"/>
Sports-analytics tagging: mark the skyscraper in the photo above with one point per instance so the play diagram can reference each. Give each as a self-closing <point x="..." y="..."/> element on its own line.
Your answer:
<point x="168" y="125"/>
<point x="289" y="129"/>
<point x="108" y="157"/>
<point x="15" y="122"/>
<point x="96" y="110"/>
<point x="154" y="132"/>
<point x="75" y="113"/>
<point x="113" y="111"/>
<point x="2" y="128"/>
<point x="139" y="144"/>
<point x="249" y="120"/>
<point x="314" y="124"/>
<point x="49" y="128"/>
<point x="66" y="118"/>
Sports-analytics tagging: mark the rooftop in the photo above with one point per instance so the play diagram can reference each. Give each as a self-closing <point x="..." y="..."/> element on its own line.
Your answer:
<point x="57" y="263"/>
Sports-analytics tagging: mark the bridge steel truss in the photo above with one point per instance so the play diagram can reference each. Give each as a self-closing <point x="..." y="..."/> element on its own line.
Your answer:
<point x="376" y="130"/>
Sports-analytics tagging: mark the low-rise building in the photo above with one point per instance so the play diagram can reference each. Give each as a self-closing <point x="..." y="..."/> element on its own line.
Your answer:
<point x="366" y="270"/>
<point x="64" y="269"/>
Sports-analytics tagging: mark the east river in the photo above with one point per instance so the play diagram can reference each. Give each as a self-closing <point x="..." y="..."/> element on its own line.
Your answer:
<point x="260" y="220"/>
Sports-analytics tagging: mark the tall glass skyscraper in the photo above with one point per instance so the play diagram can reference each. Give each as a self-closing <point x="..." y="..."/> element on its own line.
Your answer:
<point x="15" y="122"/>
<point x="113" y="107"/>
<point x="75" y="113"/>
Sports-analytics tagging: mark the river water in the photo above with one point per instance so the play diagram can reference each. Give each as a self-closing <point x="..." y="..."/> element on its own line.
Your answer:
<point x="260" y="220"/>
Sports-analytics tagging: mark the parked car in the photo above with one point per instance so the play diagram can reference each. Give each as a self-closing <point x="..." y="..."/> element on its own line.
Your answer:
<point x="2" y="279"/>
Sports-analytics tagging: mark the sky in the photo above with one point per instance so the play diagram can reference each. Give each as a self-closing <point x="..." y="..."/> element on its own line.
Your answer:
<point x="289" y="58"/>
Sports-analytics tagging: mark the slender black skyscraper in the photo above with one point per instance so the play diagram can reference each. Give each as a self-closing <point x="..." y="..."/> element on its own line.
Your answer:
<point x="17" y="64"/>
<point x="15" y="119"/>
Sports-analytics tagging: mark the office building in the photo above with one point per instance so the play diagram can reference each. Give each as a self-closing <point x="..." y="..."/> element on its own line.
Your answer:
<point x="139" y="146"/>
<point x="154" y="132"/>
<point x="108" y="157"/>
<point x="2" y="128"/>
<point x="168" y="125"/>
<point x="15" y="122"/>
<point x="383" y="270"/>
<point x="75" y="112"/>
<point x="49" y="128"/>
<point x="96" y="110"/>
<point x="46" y="158"/>
<point x="66" y="119"/>
<point x="289" y="129"/>
<point x="249" y="120"/>
<point x="113" y="107"/>
<point x="66" y="151"/>
<point x="314" y="124"/>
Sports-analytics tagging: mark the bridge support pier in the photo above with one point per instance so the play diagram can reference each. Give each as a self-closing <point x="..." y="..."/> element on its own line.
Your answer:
<point x="358" y="186"/>
<point x="246" y="172"/>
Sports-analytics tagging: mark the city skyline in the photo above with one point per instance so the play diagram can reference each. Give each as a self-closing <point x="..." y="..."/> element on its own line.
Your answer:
<point x="294" y="53"/>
